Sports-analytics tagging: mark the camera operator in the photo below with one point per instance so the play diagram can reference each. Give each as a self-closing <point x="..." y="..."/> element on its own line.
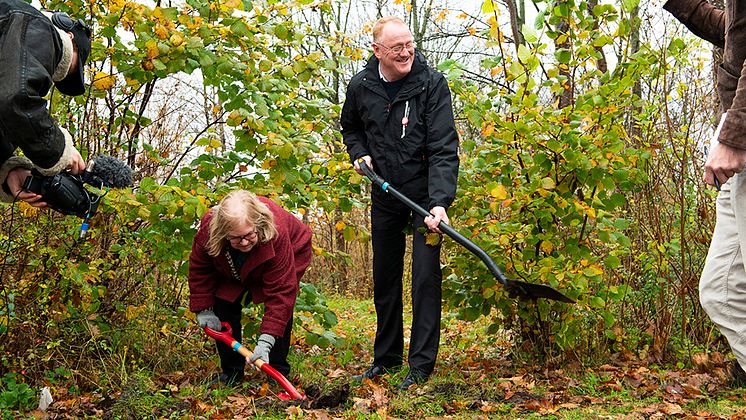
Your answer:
<point x="37" y="49"/>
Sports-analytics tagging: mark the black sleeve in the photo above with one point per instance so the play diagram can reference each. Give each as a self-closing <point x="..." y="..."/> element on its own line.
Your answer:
<point x="442" y="144"/>
<point x="28" y="57"/>
<point x="353" y="129"/>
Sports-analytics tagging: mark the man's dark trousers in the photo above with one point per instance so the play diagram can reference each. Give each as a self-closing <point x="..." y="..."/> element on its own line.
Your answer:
<point x="389" y="220"/>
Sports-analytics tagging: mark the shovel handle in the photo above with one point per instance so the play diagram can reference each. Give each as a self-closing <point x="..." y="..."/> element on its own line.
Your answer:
<point x="451" y="232"/>
<point x="226" y="337"/>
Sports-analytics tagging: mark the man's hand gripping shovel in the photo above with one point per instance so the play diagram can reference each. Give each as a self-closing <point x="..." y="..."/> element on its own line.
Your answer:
<point x="515" y="288"/>
<point x="226" y="337"/>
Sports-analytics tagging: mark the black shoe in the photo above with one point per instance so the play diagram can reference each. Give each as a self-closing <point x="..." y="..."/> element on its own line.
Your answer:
<point x="371" y="373"/>
<point x="736" y="375"/>
<point x="231" y="379"/>
<point x="414" y="377"/>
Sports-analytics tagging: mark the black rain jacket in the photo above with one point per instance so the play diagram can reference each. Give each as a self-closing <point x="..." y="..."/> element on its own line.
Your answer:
<point x="423" y="164"/>
<point x="30" y="50"/>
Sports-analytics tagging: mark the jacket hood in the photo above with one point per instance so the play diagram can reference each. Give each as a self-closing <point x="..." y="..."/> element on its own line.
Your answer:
<point x="60" y="72"/>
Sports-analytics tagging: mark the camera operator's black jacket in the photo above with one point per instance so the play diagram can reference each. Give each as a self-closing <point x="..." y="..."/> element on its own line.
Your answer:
<point x="423" y="164"/>
<point x="33" y="54"/>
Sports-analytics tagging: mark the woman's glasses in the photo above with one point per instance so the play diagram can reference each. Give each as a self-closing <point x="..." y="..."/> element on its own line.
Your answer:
<point x="238" y="239"/>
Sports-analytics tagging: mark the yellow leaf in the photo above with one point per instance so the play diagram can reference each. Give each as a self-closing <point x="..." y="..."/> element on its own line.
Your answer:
<point x="103" y="81"/>
<point x="433" y="238"/>
<point x="340" y="225"/>
<point x="596" y="269"/>
<point x="488" y="129"/>
<point x="130" y="312"/>
<point x="499" y="192"/>
<point x="546" y="247"/>
<point x="548" y="183"/>
<point x="152" y="47"/>
<point x="161" y="32"/>
<point x="176" y="39"/>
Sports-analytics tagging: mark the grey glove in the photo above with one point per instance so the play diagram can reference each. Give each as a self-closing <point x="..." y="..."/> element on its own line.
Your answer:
<point x="207" y="318"/>
<point x="263" y="346"/>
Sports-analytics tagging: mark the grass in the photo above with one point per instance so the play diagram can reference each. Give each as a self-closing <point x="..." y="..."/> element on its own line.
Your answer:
<point x="475" y="377"/>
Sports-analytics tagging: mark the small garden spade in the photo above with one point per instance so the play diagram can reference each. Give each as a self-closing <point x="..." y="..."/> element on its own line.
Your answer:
<point x="226" y="337"/>
<point x="515" y="288"/>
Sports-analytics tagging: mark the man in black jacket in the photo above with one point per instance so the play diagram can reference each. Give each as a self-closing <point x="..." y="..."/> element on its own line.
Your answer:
<point x="397" y="117"/>
<point x="36" y="50"/>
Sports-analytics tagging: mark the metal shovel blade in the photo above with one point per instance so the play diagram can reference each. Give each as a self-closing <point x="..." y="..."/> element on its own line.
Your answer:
<point x="523" y="290"/>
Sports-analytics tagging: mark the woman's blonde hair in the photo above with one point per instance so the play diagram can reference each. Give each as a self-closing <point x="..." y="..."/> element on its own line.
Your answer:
<point x="237" y="207"/>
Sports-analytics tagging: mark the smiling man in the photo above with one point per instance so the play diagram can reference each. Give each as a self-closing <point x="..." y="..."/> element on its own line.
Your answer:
<point x="397" y="117"/>
<point x="248" y="248"/>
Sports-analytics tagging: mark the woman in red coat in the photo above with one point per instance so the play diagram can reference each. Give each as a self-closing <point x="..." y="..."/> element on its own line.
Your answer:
<point x="248" y="246"/>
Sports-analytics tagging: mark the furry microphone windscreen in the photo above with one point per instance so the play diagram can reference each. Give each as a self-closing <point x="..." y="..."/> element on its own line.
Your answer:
<point x="113" y="172"/>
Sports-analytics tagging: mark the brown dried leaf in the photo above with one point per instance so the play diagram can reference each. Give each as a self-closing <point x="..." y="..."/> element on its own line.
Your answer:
<point x="670" y="409"/>
<point x="486" y="407"/>
<point x="701" y="361"/>
<point x="294" y="411"/>
<point x="692" y="391"/>
<point x="337" y="373"/>
<point x="608" y="368"/>
<point x="363" y="405"/>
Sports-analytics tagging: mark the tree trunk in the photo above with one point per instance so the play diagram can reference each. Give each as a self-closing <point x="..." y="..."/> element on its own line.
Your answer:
<point x="565" y="97"/>
<point x="517" y="19"/>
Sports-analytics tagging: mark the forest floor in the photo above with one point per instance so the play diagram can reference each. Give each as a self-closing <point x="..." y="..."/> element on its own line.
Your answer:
<point x="474" y="378"/>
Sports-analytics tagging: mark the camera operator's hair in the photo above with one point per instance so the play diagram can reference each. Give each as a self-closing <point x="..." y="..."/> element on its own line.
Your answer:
<point x="239" y="206"/>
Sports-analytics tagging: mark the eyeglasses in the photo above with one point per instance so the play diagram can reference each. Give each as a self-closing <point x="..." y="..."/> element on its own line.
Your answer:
<point x="397" y="49"/>
<point x="238" y="239"/>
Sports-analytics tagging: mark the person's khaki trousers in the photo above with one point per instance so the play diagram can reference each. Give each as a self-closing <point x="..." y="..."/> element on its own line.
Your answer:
<point x="722" y="287"/>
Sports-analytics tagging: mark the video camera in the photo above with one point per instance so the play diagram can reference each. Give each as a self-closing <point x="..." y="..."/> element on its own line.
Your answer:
<point x="66" y="193"/>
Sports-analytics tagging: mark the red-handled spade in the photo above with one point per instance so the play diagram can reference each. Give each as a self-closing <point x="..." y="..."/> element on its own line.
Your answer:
<point x="226" y="337"/>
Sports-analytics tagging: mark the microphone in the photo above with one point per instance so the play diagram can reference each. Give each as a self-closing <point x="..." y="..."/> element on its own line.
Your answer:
<point x="66" y="193"/>
<point x="110" y="172"/>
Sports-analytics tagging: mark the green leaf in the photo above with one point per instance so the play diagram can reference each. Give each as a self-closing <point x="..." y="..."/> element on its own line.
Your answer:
<point x="524" y="54"/>
<point x="281" y="31"/>
<point x="240" y="28"/>
<point x="563" y="56"/>
<point x="596" y="302"/>
<point x="629" y="5"/>
<point x="529" y="33"/>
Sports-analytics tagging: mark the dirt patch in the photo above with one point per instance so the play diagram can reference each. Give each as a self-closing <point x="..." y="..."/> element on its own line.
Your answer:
<point x="331" y="397"/>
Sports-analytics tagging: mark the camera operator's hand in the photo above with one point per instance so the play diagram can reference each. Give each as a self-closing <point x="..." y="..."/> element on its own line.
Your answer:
<point x="15" y="180"/>
<point x="77" y="164"/>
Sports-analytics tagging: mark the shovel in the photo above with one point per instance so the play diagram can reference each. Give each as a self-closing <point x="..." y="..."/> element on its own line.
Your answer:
<point x="515" y="288"/>
<point x="227" y="338"/>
